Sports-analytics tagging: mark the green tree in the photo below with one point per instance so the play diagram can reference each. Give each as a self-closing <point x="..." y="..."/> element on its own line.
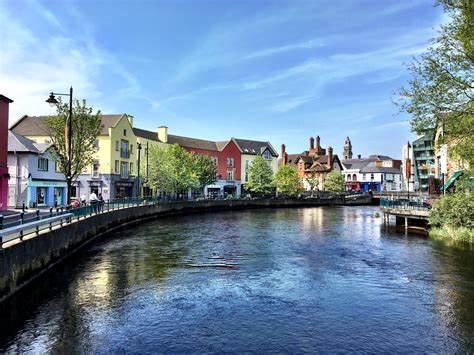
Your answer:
<point x="334" y="182"/>
<point x="441" y="91"/>
<point x="170" y="169"/>
<point x="86" y="126"/>
<point x="260" y="176"/>
<point x="204" y="170"/>
<point x="287" y="180"/>
<point x="313" y="182"/>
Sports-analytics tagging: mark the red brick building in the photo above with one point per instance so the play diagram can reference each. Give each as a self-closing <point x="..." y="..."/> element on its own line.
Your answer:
<point x="313" y="164"/>
<point x="4" y="108"/>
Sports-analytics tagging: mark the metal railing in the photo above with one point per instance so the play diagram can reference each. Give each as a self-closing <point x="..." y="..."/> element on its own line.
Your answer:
<point x="24" y="224"/>
<point x="405" y="204"/>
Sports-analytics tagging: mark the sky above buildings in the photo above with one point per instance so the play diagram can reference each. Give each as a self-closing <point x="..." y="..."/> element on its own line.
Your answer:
<point x="268" y="70"/>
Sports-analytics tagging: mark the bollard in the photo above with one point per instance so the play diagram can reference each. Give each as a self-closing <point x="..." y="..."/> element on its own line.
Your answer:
<point x="22" y="217"/>
<point x="51" y="212"/>
<point x="23" y="207"/>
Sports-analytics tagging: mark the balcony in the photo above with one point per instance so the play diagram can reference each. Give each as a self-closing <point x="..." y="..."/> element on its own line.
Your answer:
<point x="125" y="153"/>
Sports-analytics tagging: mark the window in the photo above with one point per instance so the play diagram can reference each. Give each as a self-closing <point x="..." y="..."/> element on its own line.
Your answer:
<point x="95" y="168"/>
<point x="215" y="160"/>
<point x="349" y="177"/>
<point x="246" y="176"/>
<point x="247" y="165"/>
<point x="117" y="166"/>
<point x="230" y="175"/>
<point x="117" y="146"/>
<point x="371" y="176"/>
<point x="123" y="170"/>
<point x="95" y="144"/>
<point x="42" y="164"/>
<point x="354" y="177"/>
<point x="363" y="177"/>
<point x="57" y="168"/>
<point x="230" y="162"/>
<point x="267" y="155"/>
<point x="125" y="132"/>
<point x="124" y="151"/>
<point x="131" y="148"/>
<point x="131" y="168"/>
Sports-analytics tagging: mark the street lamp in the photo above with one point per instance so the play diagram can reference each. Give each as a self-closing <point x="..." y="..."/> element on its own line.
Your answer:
<point x="53" y="102"/>
<point x="139" y="148"/>
<point x="408" y="168"/>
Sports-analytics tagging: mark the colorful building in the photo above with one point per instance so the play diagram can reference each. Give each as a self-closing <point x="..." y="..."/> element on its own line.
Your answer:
<point x="313" y="165"/>
<point x="375" y="173"/>
<point x="4" y="109"/>
<point x="114" y="167"/>
<point x="34" y="179"/>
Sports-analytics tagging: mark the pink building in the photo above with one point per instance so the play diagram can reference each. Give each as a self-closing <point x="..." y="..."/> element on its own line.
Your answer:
<point x="4" y="105"/>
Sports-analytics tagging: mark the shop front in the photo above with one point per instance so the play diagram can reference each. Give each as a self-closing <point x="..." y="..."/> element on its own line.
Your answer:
<point x="123" y="189"/>
<point x="46" y="193"/>
<point x="370" y="186"/>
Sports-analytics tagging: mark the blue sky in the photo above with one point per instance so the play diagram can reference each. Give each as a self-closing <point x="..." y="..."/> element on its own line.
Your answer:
<point x="269" y="70"/>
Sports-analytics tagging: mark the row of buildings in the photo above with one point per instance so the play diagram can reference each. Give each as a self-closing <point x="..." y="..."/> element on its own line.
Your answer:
<point x="33" y="178"/>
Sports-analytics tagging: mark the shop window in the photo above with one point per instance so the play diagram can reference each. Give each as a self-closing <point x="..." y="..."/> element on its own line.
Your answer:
<point x="41" y="195"/>
<point x="42" y="164"/>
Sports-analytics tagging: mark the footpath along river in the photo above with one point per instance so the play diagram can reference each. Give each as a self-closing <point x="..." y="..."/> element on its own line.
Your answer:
<point x="273" y="280"/>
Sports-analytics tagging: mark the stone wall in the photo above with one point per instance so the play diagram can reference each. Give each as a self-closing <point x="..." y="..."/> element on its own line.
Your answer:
<point x="25" y="261"/>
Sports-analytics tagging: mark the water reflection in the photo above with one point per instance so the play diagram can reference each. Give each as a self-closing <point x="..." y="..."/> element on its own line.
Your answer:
<point x="286" y="280"/>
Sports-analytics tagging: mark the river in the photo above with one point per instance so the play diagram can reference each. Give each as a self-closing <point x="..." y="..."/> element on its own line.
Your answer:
<point x="272" y="280"/>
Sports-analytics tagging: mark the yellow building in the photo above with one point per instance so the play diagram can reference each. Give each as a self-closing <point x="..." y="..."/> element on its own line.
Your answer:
<point x="113" y="172"/>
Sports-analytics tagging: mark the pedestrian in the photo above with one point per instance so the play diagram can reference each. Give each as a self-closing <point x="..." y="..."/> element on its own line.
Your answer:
<point x="101" y="202"/>
<point x="93" y="201"/>
<point x="83" y="199"/>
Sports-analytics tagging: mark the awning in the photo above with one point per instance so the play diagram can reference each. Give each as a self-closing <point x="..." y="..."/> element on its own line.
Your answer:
<point x="452" y="179"/>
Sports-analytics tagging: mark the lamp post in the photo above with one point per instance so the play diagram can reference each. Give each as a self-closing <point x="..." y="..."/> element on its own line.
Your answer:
<point x="139" y="148"/>
<point x="53" y="102"/>
<point x="408" y="168"/>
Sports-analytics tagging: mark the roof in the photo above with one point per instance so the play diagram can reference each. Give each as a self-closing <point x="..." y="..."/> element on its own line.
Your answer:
<point x="18" y="143"/>
<point x="143" y="133"/>
<point x="4" y="98"/>
<point x="34" y="125"/>
<point x="377" y="169"/>
<point x="192" y="142"/>
<point x="254" y="147"/>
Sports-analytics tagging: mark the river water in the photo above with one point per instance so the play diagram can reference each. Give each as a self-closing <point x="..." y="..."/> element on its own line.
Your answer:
<point x="283" y="280"/>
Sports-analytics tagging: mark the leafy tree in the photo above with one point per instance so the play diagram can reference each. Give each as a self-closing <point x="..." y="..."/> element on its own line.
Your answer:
<point x="204" y="170"/>
<point x="287" y="180"/>
<point x="312" y="181"/>
<point x="260" y="176"/>
<point x="334" y="182"/>
<point x="170" y="169"/>
<point x="441" y="91"/>
<point x="86" y="126"/>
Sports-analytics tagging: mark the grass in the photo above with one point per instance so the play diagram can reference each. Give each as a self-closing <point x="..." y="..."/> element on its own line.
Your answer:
<point x="459" y="234"/>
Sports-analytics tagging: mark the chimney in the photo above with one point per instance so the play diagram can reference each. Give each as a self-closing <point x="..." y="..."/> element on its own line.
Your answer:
<point x="284" y="156"/>
<point x="311" y="143"/>
<point x="329" y="157"/>
<point x="318" y="143"/>
<point x="359" y="156"/>
<point x="163" y="134"/>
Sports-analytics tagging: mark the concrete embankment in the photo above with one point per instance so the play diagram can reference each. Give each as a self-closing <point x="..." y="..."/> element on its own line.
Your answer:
<point x="27" y="260"/>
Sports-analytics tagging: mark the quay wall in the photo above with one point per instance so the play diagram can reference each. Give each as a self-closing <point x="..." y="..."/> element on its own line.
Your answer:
<point x="25" y="261"/>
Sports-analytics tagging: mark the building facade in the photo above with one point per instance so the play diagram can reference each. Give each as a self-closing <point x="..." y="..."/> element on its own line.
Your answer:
<point x="4" y="113"/>
<point x="424" y="165"/>
<point x="313" y="165"/>
<point x="34" y="179"/>
<point x="375" y="173"/>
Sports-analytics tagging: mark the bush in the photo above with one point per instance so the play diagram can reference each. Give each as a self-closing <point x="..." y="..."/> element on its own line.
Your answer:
<point x="455" y="210"/>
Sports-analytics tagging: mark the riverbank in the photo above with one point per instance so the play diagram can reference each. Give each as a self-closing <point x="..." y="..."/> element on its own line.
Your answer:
<point x="456" y="234"/>
<point x="26" y="260"/>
